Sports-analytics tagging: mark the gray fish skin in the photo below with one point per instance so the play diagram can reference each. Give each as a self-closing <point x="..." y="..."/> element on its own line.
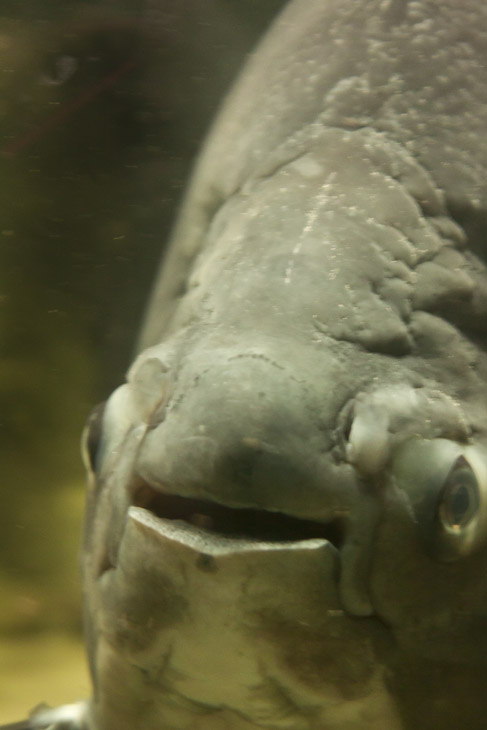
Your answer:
<point x="315" y="348"/>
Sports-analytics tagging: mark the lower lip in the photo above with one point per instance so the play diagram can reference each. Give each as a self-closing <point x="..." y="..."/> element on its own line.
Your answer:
<point x="203" y="540"/>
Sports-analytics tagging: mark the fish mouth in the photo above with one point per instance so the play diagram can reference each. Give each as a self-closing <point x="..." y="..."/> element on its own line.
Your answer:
<point x="235" y="523"/>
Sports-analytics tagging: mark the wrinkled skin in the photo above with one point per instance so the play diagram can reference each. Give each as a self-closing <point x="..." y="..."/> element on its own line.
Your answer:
<point x="313" y="362"/>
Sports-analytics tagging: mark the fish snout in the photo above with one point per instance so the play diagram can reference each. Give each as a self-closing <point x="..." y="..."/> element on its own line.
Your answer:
<point x="247" y="449"/>
<point x="244" y="430"/>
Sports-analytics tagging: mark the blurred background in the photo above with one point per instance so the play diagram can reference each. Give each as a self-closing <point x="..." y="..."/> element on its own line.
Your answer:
<point x="103" y="106"/>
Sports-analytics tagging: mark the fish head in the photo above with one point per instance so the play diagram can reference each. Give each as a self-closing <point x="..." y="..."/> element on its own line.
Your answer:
<point x="263" y="544"/>
<point x="286" y="521"/>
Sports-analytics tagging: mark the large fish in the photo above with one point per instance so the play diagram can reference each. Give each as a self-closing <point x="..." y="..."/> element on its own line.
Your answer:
<point x="287" y="511"/>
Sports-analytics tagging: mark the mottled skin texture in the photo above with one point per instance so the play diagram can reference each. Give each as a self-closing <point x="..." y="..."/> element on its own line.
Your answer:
<point x="317" y="349"/>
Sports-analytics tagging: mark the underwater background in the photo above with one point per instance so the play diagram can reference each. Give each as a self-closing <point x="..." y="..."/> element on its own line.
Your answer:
<point x="103" y="106"/>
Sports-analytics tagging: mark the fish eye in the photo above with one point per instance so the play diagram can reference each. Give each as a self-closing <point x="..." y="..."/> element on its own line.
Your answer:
<point x="459" y="501"/>
<point x="90" y="440"/>
<point x="445" y="484"/>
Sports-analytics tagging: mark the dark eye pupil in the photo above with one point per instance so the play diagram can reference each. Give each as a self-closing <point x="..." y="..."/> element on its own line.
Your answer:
<point x="459" y="502"/>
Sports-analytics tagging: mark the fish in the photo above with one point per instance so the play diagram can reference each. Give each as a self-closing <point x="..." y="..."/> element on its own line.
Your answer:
<point x="286" y="522"/>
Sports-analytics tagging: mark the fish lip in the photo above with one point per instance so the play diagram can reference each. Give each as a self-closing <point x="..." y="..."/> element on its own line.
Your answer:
<point x="189" y="519"/>
<point x="211" y="543"/>
<point x="201" y="540"/>
<point x="169" y="518"/>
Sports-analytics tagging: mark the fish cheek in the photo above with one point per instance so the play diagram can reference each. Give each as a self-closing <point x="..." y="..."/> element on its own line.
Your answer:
<point x="139" y="599"/>
<point x="436" y="615"/>
<point x="136" y="612"/>
<point x="310" y="642"/>
<point x="429" y="604"/>
<point x="341" y="654"/>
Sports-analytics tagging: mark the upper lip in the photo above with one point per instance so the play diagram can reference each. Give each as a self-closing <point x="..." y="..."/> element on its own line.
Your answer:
<point x="241" y="522"/>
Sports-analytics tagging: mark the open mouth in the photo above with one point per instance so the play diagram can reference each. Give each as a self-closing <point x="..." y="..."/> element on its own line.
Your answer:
<point x="257" y="525"/>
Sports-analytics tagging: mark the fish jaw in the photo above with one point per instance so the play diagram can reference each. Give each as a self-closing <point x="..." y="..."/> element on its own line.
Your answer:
<point x="256" y="628"/>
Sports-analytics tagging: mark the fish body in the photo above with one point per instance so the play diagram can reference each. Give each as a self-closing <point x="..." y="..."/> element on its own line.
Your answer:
<point x="287" y="510"/>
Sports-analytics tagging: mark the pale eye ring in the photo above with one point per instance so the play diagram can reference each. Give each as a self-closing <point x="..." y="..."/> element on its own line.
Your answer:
<point x="459" y="501"/>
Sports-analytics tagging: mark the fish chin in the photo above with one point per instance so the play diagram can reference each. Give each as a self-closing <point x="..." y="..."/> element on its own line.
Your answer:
<point x="212" y="623"/>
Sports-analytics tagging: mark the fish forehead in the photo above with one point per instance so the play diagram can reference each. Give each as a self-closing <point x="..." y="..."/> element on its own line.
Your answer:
<point x="310" y="276"/>
<point x="413" y="71"/>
